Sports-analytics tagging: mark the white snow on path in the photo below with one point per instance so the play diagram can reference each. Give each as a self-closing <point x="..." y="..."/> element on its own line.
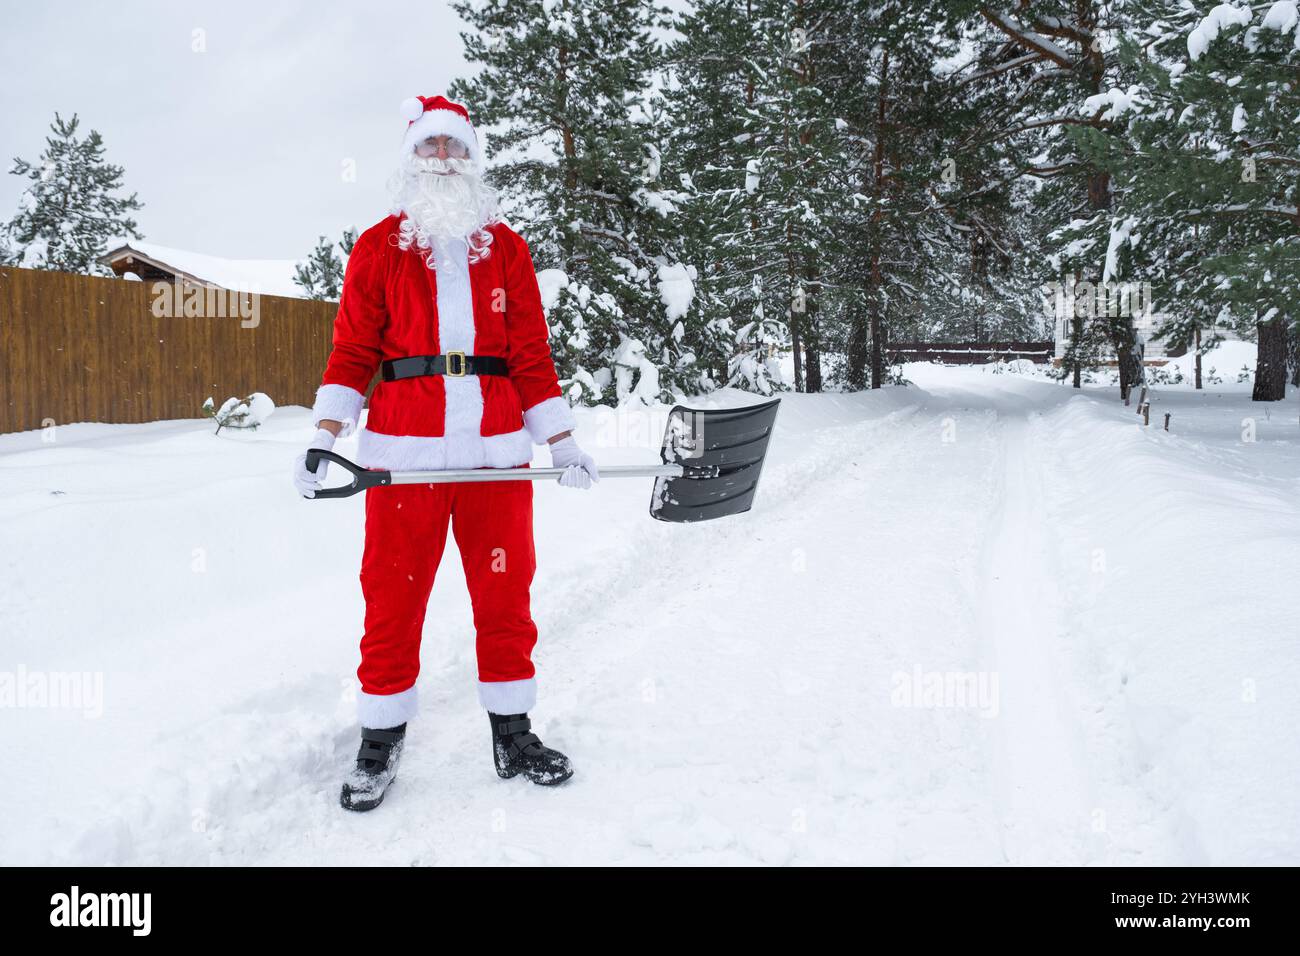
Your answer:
<point x="1044" y="794"/>
<point x="730" y="692"/>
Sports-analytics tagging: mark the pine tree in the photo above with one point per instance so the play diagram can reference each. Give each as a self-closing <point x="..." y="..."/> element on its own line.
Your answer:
<point x="900" y="232"/>
<point x="759" y="137"/>
<point x="989" y="282"/>
<point x="70" y="211"/>
<point x="818" y="138"/>
<point x="1208" y="171"/>
<point x="567" y="88"/>
<point x="716" y="69"/>
<point x="804" y="162"/>
<point x="321" y="276"/>
<point x="1055" y="56"/>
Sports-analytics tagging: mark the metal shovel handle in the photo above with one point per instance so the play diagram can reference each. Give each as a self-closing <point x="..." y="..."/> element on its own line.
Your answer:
<point x="362" y="478"/>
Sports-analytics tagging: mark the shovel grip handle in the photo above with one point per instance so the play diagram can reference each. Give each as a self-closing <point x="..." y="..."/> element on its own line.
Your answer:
<point x="361" y="477"/>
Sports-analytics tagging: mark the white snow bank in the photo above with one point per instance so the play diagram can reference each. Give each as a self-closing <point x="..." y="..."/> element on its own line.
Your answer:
<point x="1177" y="552"/>
<point x="1225" y="360"/>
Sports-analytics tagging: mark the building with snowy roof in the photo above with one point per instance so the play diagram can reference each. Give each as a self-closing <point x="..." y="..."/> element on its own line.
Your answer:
<point x="149" y="262"/>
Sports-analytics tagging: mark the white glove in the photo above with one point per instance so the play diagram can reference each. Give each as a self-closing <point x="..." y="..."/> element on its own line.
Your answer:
<point x="580" y="468"/>
<point x="306" y="482"/>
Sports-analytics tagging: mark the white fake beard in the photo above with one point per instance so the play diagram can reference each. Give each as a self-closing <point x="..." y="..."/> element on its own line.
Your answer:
<point x="443" y="199"/>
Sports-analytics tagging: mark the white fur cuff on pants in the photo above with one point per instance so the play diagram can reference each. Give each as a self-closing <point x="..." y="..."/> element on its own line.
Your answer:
<point x="548" y="418"/>
<point x="508" y="696"/>
<point x="381" y="711"/>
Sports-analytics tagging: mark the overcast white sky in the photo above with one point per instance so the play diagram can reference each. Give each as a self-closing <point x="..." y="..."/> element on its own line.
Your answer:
<point x="237" y="151"/>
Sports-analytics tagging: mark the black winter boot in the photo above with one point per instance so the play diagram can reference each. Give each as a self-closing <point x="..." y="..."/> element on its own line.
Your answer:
<point x="365" y="786"/>
<point x="517" y="750"/>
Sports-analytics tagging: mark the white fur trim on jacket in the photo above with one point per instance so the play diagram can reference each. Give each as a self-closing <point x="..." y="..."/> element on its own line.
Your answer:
<point x="548" y="418"/>
<point x="339" y="403"/>
<point x="464" y="409"/>
<point x="508" y="696"/>
<point x="381" y="711"/>
<point x="418" y="453"/>
<point x="442" y="123"/>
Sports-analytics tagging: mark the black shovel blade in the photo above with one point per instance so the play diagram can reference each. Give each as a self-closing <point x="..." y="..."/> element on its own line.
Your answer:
<point x="725" y="444"/>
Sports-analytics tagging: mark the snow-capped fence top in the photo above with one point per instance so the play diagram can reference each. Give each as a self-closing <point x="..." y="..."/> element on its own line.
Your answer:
<point x="969" y="353"/>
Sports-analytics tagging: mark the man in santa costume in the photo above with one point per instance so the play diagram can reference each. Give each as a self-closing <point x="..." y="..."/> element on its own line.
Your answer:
<point x="441" y="298"/>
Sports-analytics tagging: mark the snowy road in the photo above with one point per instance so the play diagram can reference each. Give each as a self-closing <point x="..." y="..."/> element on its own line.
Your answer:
<point x="981" y="620"/>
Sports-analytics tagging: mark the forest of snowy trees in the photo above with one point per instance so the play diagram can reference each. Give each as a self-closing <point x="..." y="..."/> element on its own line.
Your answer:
<point x="726" y="191"/>
<point x="744" y="179"/>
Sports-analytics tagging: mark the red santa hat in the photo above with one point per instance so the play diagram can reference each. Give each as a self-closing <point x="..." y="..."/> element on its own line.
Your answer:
<point x="438" y="116"/>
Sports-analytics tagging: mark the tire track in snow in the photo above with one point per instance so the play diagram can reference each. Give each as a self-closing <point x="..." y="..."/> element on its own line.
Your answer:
<point x="1036" y="744"/>
<point x="661" y="555"/>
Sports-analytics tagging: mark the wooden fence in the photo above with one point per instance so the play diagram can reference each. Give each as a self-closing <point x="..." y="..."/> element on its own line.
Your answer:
<point x="76" y="348"/>
<point x="969" y="353"/>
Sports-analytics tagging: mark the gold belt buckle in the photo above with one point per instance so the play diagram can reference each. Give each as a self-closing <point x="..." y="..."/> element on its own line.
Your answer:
<point x="461" y="372"/>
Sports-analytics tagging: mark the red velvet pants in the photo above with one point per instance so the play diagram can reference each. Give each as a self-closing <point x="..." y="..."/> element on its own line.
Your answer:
<point x="406" y="531"/>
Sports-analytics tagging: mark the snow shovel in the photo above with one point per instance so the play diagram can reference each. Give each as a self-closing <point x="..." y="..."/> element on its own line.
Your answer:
<point x="711" y="462"/>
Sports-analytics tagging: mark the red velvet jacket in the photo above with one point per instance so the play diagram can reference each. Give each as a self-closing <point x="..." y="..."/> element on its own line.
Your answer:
<point x="394" y="305"/>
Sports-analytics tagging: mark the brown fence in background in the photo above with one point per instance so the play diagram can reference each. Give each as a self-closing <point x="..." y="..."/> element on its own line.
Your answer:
<point x="76" y="348"/>
<point x="970" y="353"/>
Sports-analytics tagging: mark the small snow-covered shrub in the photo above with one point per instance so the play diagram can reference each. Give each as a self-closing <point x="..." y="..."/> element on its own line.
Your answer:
<point x="1014" y="367"/>
<point x="240" y="413"/>
<point x="894" y="376"/>
<point x="1062" y="373"/>
<point x="1161" y="376"/>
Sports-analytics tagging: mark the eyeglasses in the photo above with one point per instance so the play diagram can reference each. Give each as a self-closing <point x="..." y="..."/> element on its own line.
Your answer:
<point x="434" y="145"/>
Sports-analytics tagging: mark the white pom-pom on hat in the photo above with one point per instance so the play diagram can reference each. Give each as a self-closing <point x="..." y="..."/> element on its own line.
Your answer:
<point x="412" y="109"/>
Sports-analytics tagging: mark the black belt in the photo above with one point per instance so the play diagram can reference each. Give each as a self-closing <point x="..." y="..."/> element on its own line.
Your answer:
<point x="455" y="364"/>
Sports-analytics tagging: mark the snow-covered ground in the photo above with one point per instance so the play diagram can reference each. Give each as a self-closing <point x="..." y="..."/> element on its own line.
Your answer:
<point x="982" y="619"/>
